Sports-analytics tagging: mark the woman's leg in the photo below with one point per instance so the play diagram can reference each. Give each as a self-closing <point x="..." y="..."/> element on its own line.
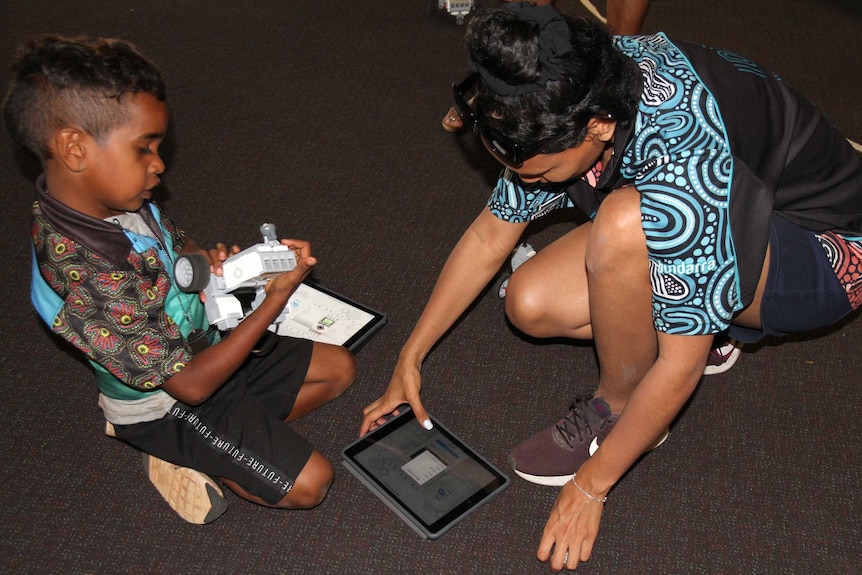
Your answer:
<point x="625" y="17"/>
<point x="594" y="283"/>
<point x="620" y="297"/>
<point x="548" y="295"/>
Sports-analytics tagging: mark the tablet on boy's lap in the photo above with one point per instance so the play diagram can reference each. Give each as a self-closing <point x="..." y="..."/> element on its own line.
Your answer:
<point x="431" y="479"/>
<point x="320" y="314"/>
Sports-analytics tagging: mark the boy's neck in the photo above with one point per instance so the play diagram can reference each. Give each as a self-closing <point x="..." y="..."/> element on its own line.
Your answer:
<point x="64" y="187"/>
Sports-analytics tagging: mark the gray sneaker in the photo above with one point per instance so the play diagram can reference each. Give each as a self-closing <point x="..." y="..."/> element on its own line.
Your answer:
<point x="520" y="254"/>
<point x="551" y="456"/>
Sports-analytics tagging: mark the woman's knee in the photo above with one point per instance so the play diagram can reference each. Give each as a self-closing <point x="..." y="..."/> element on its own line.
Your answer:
<point x="525" y="306"/>
<point x="617" y="237"/>
<point x="548" y="295"/>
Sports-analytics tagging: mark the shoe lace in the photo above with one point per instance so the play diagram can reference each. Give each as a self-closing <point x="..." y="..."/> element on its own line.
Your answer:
<point x="722" y="348"/>
<point x="576" y="423"/>
<point x="717" y="354"/>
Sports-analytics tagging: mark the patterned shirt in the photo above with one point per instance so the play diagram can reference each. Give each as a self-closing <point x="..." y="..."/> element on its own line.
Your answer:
<point x="112" y="301"/>
<point x="717" y="146"/>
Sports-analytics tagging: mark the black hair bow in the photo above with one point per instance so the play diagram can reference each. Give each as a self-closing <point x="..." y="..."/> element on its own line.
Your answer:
<point x="554" y="44"/>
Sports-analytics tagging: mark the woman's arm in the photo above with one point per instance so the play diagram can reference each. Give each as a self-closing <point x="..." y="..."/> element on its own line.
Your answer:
<point x="573" y="525"/>
<point x="473" y="262"/>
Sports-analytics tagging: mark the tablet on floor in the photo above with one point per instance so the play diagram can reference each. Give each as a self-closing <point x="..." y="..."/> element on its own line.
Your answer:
<point x="431" y="479"/>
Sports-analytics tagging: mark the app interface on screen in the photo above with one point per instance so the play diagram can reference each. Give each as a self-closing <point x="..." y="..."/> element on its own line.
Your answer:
<point x="314" y="315"/>
<point x="425" y="470"/>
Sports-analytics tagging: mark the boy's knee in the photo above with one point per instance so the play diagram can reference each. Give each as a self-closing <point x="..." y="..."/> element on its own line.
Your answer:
<point x="344" y="372"/>
<point x="311" y="486"/>
<point x="307" y="497"/>
<point x="335" y="367"/>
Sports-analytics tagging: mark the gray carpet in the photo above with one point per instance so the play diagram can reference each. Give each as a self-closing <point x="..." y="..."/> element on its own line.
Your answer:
<point x="323" y="117"/>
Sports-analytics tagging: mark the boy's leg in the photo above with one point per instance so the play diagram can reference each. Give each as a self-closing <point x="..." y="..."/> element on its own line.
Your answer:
<point x="192" y="494"/>
<point x="309" y="488"/>
<point x="330" y="373"/>
<point x="321" y="373"/>
<point x="234" y="438"/>
<point x="239" y="435"/>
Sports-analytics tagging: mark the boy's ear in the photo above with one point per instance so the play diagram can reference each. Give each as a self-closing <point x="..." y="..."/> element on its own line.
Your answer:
<point x="70" y="148"/>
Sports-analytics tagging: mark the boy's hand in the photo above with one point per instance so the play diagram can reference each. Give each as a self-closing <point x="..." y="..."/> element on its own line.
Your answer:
<point x="287" y="282"/>
<point x="218" y="255"/>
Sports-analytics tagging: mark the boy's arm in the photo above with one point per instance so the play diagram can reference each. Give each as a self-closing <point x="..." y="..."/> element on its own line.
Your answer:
<point x="210" y="369"/>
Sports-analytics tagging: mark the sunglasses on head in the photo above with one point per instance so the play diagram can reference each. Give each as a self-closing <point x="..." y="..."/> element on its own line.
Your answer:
<point x="507" y="151"/>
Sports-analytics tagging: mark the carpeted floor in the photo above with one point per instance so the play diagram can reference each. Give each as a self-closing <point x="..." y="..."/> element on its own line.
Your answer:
<point x="323" y="118"/>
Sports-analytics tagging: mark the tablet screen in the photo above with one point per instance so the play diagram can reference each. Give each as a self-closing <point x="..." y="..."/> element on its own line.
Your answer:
<point x="319" y="314"/>
<point x="431" y="478"/>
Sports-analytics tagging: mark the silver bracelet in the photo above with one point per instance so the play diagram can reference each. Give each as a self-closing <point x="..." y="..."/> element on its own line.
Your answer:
<point x="581" y="489"/>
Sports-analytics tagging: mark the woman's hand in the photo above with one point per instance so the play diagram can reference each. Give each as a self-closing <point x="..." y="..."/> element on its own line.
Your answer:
<point x="403" y="388"/>
<point x="571" y="530"/>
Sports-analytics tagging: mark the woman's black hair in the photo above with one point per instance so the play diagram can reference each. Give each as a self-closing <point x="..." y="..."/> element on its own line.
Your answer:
<point x="529" y="95"/>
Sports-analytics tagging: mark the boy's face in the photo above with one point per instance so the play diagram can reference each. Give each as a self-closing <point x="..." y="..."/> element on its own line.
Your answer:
<point x="120" y="174"/>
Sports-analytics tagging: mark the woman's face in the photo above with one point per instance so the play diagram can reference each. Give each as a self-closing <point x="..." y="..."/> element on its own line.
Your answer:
<point x="570" y="163"/>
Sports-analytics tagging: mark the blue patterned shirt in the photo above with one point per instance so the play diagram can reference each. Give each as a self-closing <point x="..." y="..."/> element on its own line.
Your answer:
<point x="688" y="161"/>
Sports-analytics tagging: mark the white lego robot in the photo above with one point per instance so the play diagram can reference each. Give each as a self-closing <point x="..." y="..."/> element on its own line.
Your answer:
<point x="457" y="8"/>
<point x="233" y="295"/>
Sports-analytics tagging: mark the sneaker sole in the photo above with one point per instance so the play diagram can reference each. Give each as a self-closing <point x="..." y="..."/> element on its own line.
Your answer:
<point x="561" y="480"/>
<point x="557" y="481"/>
<point x="193" y="495"/>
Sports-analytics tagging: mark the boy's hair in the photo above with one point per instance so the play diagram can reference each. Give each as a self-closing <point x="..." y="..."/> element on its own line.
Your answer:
<point x="82" y="82"/>
<point x="591" y="79"/>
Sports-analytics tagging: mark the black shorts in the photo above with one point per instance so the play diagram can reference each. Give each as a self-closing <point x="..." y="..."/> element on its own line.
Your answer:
<point x="803" y="292"/>
<point x="239" y="432"/>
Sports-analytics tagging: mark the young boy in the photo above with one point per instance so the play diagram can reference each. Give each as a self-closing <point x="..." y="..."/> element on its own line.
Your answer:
<point x="93" y="112"/>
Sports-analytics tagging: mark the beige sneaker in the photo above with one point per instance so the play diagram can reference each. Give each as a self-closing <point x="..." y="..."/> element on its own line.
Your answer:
<point x="192" y="494"/>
